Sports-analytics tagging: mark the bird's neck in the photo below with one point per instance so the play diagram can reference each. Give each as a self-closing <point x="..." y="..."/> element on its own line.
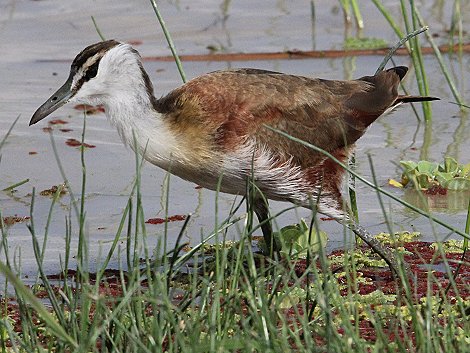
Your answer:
<point x="130" y="109"/>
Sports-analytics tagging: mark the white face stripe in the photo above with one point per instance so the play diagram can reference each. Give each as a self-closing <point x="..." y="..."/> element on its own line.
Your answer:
<point x="90" y="61"/>
<point x="83" y="69"/>
<point x="86" y="64"/>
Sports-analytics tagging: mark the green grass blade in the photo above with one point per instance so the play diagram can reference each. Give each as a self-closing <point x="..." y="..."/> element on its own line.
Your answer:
<point x="179" y="65"/>
<point x="10" y="129"/>
<point x="441" y="62"/>
<point x="102" y="37"/>
<point x="14" y="186"/>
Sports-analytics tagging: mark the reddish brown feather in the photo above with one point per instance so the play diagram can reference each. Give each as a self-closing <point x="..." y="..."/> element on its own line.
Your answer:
<point x="231" y="106"/>
<point x="222" y="110"/>
<point x="227" y="107"/>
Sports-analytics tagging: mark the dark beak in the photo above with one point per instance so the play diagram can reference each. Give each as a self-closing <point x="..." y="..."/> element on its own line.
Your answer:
<point x="58" y="99"/>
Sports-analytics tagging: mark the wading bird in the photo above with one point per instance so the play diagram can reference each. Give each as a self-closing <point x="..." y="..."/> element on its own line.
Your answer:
<point x="214" y="126"/>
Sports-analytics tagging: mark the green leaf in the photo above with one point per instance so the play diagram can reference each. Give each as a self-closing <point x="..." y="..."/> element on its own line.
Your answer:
<point x="450" y="165"/>
<point x="442" y="178"/>
<point x="466" y="170"/>
<point x="426" y="167"/>
<point x="458" y="183"/>
<point x="408" y="165"/>
<point x="290" y="234"/>
<point x="424" y="181"/>
<point x="294" y="238"/>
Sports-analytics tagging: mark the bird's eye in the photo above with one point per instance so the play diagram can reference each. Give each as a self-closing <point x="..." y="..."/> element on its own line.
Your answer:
<point x="92" y="71"/>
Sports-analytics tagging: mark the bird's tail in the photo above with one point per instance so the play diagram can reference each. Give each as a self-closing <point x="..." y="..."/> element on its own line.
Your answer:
<point x="408" y="99"/>
<point x="411" y="99"/>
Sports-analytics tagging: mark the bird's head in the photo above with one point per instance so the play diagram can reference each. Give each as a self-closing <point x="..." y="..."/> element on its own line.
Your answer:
<point x="98" y="72"/>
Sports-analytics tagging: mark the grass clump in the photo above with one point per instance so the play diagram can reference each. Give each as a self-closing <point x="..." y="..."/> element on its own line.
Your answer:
<point x="225" y="303"/>
<point x="227" y="298"/>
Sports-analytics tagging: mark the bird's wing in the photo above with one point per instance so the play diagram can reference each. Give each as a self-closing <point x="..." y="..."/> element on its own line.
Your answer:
<point x="235" y="105"/>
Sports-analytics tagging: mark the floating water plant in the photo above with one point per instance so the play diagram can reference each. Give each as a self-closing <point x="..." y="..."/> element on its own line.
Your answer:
<point x="295" y="239"/>
<point x="426" y="175"/>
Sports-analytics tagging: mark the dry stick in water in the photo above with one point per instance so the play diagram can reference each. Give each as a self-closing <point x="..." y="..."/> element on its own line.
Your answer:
<point x="293" y="54"/>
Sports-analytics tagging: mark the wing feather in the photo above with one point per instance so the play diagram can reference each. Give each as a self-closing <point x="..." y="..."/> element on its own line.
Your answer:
<point x="234" y="105"/>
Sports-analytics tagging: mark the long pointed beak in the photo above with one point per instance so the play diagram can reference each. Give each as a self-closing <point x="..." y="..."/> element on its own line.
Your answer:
<point x="58" y="99"/>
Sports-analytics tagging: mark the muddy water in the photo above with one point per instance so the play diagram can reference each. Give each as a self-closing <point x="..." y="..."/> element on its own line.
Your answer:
<point x="40" y="38"/>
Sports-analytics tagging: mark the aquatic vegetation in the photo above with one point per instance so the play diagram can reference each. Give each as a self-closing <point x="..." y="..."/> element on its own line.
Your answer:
<point x="296" y="239"/>
<point x="364" y="43"/>
<point x="426" y="175"/>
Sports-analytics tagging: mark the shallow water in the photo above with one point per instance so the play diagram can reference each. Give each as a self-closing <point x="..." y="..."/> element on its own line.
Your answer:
<point x="40" y="38"/>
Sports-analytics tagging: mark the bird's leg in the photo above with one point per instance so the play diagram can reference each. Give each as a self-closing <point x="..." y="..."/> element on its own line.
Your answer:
<point x="385" y="253"/>
<point x="345" y="217"/>
<point x="261" y="208"/>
